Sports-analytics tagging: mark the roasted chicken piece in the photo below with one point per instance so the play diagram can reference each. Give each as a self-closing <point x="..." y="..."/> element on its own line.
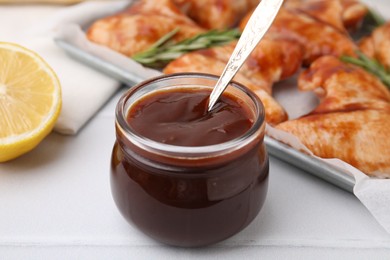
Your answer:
<point x="270" y="62"/>
<point x="352" y="120"/>
<point x="317" y="38"/>
<point x="359" y="138"/>
<point x="329" y="11"/>
<point x="353" y="13"/>
<point x="341" y="14"/>
<point x="140" y="26"/>
<point x="216" y="14"/>
<point x="344" y="88"/>
<point x="377" y="45"/>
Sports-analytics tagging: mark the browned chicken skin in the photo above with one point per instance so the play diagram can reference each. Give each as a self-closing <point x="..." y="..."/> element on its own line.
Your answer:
<point x="377" y="45"/>
<point x="344" y="88"/>
<point x="140" y="26"/>
<point x="357" y="137"/>
<point x="351" y="122"/>
<point x="329" y="11"/>
<point x="216" y="14"/>
<point x="341" y="14"/>
<point x="353" y="13"/>
<point x="316" y="37"/>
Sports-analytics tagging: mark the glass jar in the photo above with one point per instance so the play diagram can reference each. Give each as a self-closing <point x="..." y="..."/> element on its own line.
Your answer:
<point x="189" y="196"/>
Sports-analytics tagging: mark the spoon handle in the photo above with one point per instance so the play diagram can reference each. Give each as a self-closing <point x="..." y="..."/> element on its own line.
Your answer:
<point x="254" y="31"/>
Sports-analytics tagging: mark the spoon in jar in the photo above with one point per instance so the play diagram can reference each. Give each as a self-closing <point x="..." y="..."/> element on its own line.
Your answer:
<point x="257" y="26"/>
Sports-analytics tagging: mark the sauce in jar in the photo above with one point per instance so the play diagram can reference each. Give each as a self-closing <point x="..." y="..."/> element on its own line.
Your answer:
<point x="182" y="175"/>
<point x="180" y="117"/>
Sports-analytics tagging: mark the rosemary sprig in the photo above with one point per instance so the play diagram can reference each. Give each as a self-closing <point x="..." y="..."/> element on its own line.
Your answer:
<point x="165" y="50"/>
<point x="377" y="19"/>
<point x="370" y="65"/>
<point x="371" y="21"/>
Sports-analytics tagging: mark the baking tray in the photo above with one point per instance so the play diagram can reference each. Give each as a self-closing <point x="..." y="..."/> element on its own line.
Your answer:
<point x="275" y="148"/>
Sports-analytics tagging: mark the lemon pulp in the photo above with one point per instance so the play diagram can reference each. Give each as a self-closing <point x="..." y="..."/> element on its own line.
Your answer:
<point x="30" y="100"/>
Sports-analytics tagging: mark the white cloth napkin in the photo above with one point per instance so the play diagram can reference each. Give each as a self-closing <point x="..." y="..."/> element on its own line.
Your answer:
<point x="84" y="90"/>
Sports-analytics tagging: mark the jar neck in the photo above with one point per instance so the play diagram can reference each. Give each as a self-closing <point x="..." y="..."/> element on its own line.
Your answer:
<point x="132" y="142"/>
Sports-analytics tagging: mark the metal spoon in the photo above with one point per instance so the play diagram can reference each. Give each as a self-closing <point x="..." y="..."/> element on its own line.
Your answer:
<point x="254" y="31"/>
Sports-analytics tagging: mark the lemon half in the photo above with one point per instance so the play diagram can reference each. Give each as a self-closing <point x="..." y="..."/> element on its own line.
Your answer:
<point x="30" y="100"/>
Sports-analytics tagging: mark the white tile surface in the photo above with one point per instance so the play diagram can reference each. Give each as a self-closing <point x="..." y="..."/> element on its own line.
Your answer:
<point x="56" y="202"/>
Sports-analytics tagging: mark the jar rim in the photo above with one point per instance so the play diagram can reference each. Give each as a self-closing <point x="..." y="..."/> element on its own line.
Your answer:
<point x="189" y="151"/>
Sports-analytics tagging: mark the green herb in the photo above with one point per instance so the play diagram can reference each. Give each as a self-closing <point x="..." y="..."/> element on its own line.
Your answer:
<point x="377" y="19"/>
<point x="370" y="65"/>
<point x="166" y="50"/>
<point x="371" y="21"/>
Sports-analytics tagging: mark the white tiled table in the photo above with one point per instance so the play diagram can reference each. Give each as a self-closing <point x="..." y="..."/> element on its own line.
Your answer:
<point x="55" y="203"/>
